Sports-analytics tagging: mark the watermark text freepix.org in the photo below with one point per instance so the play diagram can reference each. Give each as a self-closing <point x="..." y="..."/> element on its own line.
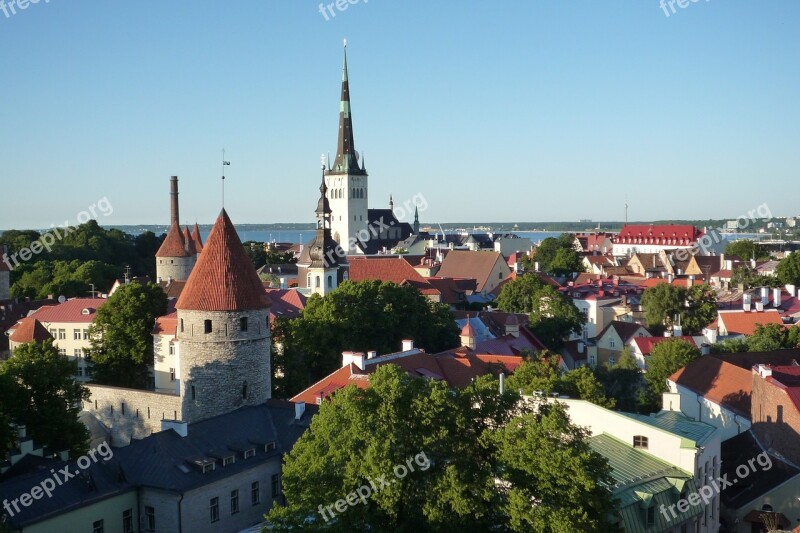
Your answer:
<point x="364" y="492"/>
<point x="48" y="239"/>
<point x="328" y="11"/>
<point x="707" y="492"/>
<point x="683" y="4"/>
<point x="10" y="8"/>
<point x="59" y="477"/>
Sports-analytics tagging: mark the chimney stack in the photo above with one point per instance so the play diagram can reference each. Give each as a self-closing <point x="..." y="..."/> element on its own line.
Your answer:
<point x="173" y="201"/>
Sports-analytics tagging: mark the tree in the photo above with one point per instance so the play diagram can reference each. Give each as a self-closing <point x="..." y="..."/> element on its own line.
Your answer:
<point x="554" y="318"/>
<point x="361" y="316"/>
<point x="622" y="381"/>
<point x="42" y="394"/>
<point x="6" y="433"/>
<point x="788" y="270"/>
<point x="558" y="255"/>
<point x="517" y="295"/>
<point x="666" y="358"/>
<point x="551" y="480"/>
<point x="664" y="303"/>
<point x="452" y="441"/>
<point x="542" y="373"/>
<point x="749" y="278"/>
<point x="747" y="249"/>
<point x="121" y="341"/>
<point x="729" y="346"/>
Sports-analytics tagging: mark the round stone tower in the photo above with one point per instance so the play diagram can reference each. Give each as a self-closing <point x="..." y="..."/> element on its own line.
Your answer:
<point x="173" y="260"/>
<point x="223" y="330"/>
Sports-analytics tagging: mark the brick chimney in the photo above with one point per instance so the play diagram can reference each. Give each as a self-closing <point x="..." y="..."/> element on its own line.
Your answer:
<point x="173" y="201"/>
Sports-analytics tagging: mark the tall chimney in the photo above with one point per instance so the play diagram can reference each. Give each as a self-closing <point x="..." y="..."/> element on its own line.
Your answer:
<point x="173" y="201"/>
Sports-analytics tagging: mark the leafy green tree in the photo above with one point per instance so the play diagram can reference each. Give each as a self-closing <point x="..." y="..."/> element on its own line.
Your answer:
<point x="542" y="373"/>
<point x="747" y="249"/>
<point x="788" y="270"/>
<point x="696" y="307"/>
<point x="557" y="255"/>
<point x="362" y="316"/>
<point x="6" y="434"/>
<point x="42" y="394"/>
<point x="121" y="341"/>
<point x="748" y="277"/>
<point x="517" y="295"/>
<point x="622" y="381"/>
<point x="554" y="318"/>
<point x="666" y="358"/>
<point x="729" y="346"/>
<point x="545" y="459"/>
<point x="362" y="435"/>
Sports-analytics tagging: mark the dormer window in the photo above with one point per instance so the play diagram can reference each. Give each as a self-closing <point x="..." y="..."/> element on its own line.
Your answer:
<point x="640" y="441"/>
<point x="249" y="453"/>
<point x="227" y="461"/>
<point x="268" y="447"/>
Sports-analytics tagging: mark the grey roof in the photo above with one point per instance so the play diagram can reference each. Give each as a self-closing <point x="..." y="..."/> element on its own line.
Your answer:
<point x="164" y="460"/>
<point x="693" y="433"/>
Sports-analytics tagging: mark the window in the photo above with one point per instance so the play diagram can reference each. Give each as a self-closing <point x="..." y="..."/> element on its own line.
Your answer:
<point x="244" y="390"/>
<point x="255" y="495"/>
<point x="651" y="516"/>
<point x="640" y="441"/>
<point x="611" y="342"/>
<point x="243" y="323"/>
<point x="207" y="326"/>
<point x="234" y="501"/>
<point x="228" y="460"/>
<point x="172" y="374"/>
<point x="268" y="447"/>
<point x="330" y="282"/>
<point x="208" y="467"/>
<point x="62" y="351"/>
<point x="316" y="282"/>
<point x="767" y="508"/>
<point x="611" y="361"/>
<point x="62" y="334"/>
<point x="97" y="527"/>
<point x="249" y="453"/>
<point x="76" y="334"/>
<point x="500" y="275"/>
<point x="181" y="325"/>
<point x="86" y="334"/>
<point x="127" y="521"/>
<point x="78" y="353"/>
<point x="213" y="507"/>
<point x="53" y="333"/>
<point x="276" y="485"/>
<point x="308" y="280"/>
<point x="194" y="393"/>
<point x="171" y="349"/>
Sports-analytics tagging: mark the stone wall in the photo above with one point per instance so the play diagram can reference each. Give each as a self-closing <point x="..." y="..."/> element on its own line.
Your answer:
<point x="775" y="419"/>
<point x="226" y="368"/>
<point x="131" y="412"/>
<point x="177" y="268"/>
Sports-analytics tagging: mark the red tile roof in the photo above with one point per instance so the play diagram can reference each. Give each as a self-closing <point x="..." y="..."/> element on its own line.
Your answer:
<point x="453" y="291"/>
<point x="645" y="344"/>
<point x="198" y="239"/>
<point x="167" y="325"/>
<point x="29" y="330"/>
<point x="744" y="323"/>
<point x="173" y="245"/>
<point x="666" y="235"/>
<point x="187" y="239"/>
<point x="788" y="379"/>
<point x="468" y="330"/>
<point x="721" y="382"/>
<point x="470" y="265"/>
<point x="77" y="310"/>
<point x="394" y="269"/>
<point x="347" y="375"/>
<point x="224" y="278"/>
<point x="285" y="303"/>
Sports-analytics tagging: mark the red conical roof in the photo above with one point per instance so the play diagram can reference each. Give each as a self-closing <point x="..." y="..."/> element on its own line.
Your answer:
<point x="187" y="239"/>
<point x="198" y="240"/>
<point x="224" y="278"/>
<point x="173" y="245"/>
<point x="467" y="330"/>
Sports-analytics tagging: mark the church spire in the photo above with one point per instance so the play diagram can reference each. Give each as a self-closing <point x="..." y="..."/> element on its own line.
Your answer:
<point x="416" y="221"/>
<point x="346" y="158"/>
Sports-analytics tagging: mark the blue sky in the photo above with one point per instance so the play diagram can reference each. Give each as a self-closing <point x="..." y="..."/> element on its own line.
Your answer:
<point x="496" y="111"/>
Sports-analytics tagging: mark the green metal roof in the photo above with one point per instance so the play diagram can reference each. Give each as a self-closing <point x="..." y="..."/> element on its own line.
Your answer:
<point x="692" y="434"/>
<point x="642" y="481"/>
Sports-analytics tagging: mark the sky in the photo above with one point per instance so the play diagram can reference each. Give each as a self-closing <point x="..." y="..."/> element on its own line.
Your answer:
<point x="494" y="111"/>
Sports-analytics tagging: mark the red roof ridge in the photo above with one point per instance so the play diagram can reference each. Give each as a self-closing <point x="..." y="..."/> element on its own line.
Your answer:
<point x="224" y="278"/>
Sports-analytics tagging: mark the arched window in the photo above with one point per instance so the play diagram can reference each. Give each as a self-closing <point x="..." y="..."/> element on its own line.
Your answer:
<point x="316" y="283"/>
<point x="330" y="282"/>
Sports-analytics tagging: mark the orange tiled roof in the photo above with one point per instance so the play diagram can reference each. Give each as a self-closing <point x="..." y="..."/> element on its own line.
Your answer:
<point x="187" y="239"/>
<point x="744" y="323"/>
<point x="198" y="240"/>
<point x="77" y="310"/>
<point x="173" y="245"/>
<point x="721" y="382"/>
<point x="29" y="330"/>
<point x="224" y="278"/>
<point x="166" y="325"/>
<point x="470" y="265"/>
<point x="394" y="269"/>
<point x="346" y="375"/>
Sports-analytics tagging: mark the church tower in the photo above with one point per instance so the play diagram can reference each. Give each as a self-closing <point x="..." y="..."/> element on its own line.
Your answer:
<point x="223" y="330"/>
<point x="347" y="179"/>
<point x="323" y="264"/>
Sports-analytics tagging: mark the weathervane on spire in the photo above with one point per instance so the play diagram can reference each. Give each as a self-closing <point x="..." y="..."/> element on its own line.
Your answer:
<point x="224" y="164"/>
